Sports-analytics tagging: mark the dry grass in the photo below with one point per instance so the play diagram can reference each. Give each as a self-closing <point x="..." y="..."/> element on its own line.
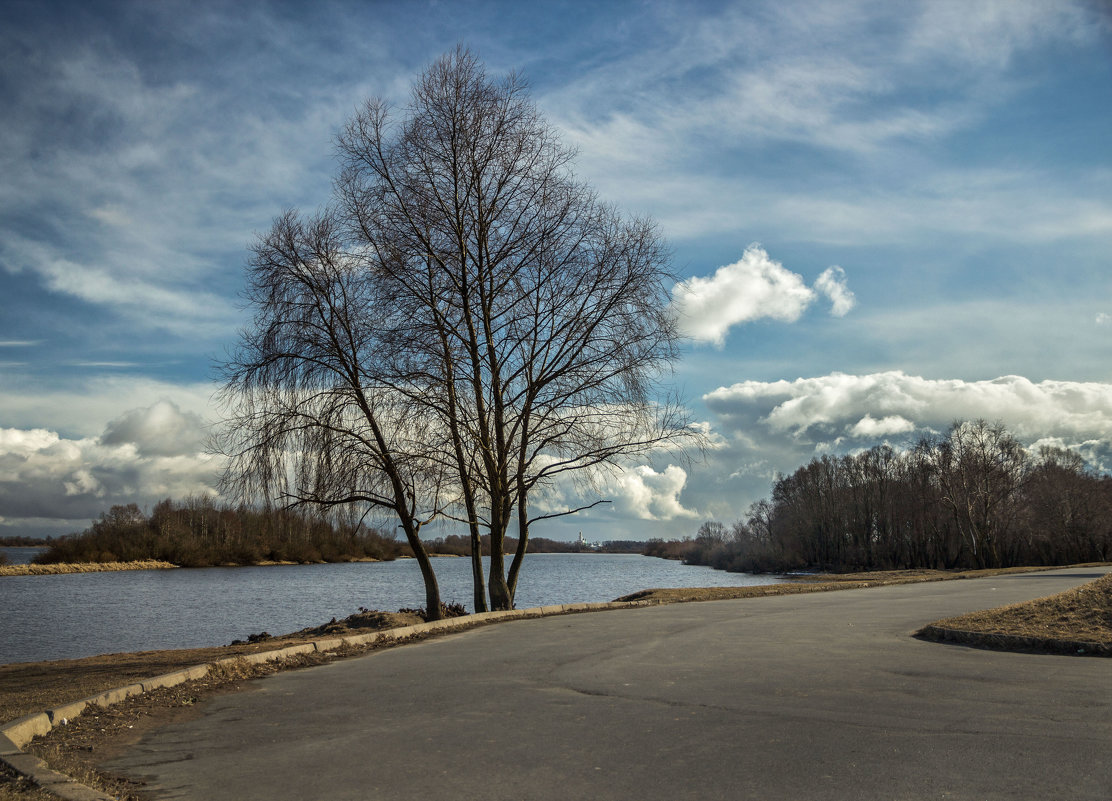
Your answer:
<point x="82" y="567"/>
<point x="1071" y="618"/>
<point x="819" y="582"/>
<point x="14" y="787"/>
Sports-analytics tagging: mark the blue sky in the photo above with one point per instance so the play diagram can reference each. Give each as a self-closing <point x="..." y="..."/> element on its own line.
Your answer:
<point x="886" y="217"/>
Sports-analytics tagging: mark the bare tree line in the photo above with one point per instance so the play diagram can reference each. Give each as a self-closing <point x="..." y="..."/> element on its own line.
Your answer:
<point x="973" y="498"/>
<point x="199" y="532"/>
<point x="464" y="325"/>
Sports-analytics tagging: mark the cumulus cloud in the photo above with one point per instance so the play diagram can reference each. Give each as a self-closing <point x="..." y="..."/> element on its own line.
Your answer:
<point x="837" y="404"/>
<point x="633" y="493"/>
<point x="777" y="426"/>
<point x="832" y="283"/>
<point x="1103" y="319"/>
<point x="159" y="430"/>
<point x="754" y="287"/>
<point x="643" y="493"/>
<point x="869" y="427"/>
<point x="143" y="456"/>
<point x="751" y="288"/>
<point x="79" y="408"/>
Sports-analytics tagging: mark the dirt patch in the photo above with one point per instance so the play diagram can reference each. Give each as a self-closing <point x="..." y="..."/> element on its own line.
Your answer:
<point x="363" y="621"/>
<point x="14" y="787"/>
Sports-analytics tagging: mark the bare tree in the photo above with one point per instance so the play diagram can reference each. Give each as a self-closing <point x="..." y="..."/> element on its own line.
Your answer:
<point x="981" y="469"/>
<point x="312" y="414"/>
<point x="490" y="327"/>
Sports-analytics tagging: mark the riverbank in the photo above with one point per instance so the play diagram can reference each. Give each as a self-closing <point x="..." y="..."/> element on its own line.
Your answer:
<point x="83" y="567"/>
<point x="62" y="568"/>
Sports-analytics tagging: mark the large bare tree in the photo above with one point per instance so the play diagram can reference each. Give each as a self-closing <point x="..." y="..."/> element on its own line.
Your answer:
<point x="312" y="415"/>
<point x="519" y="327"/>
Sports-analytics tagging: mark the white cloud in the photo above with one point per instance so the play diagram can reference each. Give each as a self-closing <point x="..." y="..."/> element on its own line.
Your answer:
<point x="729" y="89"/>
<point x="1103" y="318"/>
<point x="989" y="33"/>
<point x="159" y="430"/>
<point x="140" y="209"/>
<point x="751" y="288"/>
<point x="635" y="492"/>
<point x="832" y="283"/>
<point x="80" y="408"/>
<point x="643" y="493"/>
<point x="824" y="409"/>
<point x="143" y="456"/>
<point x="777" y="426"/>
<point x="869" y="428"/>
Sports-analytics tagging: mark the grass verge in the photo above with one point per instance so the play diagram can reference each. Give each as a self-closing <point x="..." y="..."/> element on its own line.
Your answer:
<point x="1077" y="621"/>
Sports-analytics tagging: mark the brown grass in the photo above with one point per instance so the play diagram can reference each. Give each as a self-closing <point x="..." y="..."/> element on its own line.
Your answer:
<point x="1074" y="621"/>
<point x="82" y="567"/>
<point x="821" y="582"/>
<point x="14" y="787"/>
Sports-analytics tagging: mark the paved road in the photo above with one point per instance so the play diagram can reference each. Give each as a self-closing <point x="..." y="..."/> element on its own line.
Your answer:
<point x="820" y="696"/>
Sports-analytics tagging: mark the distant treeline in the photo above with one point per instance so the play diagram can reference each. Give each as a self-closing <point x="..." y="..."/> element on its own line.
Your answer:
<point x="198" y="532"/>
<point x="24" y="542"/>
<point x="973" y="498"/>
<point x="459" y="545"/>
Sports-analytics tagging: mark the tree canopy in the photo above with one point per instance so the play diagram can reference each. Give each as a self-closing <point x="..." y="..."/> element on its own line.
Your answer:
<point x="465" y="324"/>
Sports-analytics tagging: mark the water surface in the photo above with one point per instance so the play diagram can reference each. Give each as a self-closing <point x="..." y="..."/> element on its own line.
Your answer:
<point x="81" y="614"/>
<point x="20" y="555"/>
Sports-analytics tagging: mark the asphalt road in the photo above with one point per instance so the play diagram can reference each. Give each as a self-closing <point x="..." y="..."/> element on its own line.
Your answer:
<point x="823" y="696"/>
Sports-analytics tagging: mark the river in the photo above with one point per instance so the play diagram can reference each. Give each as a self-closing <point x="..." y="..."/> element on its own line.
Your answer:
<point x="82" y="614"/>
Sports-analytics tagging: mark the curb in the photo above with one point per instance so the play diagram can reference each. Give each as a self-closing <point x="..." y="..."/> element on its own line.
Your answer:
<point x="15" y="734"/>
<point x="1015" y="642"/>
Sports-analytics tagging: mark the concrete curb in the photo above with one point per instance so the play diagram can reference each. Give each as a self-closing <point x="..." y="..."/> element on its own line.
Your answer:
<point x="1014" y="642"/>
<point x="18" y="733"/>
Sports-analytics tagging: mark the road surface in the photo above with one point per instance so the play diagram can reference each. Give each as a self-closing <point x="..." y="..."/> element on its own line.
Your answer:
<point x="823" y="696"/>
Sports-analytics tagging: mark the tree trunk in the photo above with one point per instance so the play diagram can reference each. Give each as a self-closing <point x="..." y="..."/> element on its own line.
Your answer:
<point x="478" y="582"/>
<point x="522" y="540"/>
<point x="434" y="610"/>
<point x="500" y="596"/>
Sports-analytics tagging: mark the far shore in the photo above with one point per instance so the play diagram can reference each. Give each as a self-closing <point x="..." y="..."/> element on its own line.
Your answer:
<point x="61" y="568"/>
<point x="144" y="564"/>
<point x="83" y="567"/>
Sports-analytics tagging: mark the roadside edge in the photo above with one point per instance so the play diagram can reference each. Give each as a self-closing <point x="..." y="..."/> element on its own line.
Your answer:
<point x="15" y="734"/>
